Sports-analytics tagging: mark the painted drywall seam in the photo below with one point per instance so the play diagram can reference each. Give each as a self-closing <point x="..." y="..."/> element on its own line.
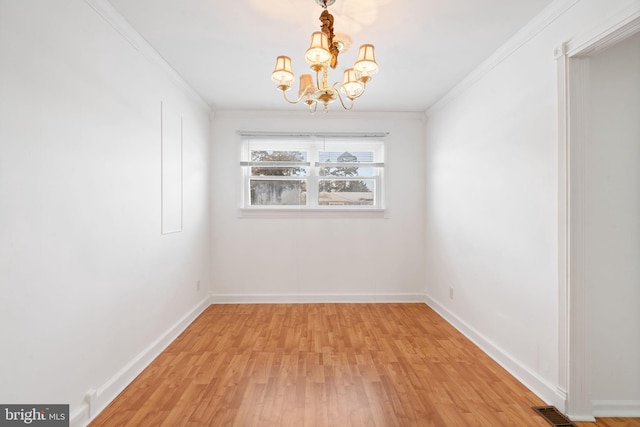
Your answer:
<point x="533" y="28"/>
<point x="542" y="388"/>
<point x="97" y="400"/>
<point x="113" y="18"/>
<point x="171" y="207"/>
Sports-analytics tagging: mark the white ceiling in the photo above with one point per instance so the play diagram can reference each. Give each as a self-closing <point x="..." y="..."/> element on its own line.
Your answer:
<point x="226" y="50"/>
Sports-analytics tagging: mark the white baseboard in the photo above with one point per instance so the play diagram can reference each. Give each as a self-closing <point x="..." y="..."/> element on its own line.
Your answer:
<point x="545" y="391"/>
<point x="582" y="418"/>
<point x="97" y="400"/>
<point x="313" y="298"/>
<point x="616" y="408"/>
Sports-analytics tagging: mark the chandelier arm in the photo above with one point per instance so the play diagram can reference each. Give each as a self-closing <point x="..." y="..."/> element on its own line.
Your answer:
<point x="340" y="98"/>
<point x="336" y="85"/>
<point x="284" y="93"/>
<point x="364" y="89"/>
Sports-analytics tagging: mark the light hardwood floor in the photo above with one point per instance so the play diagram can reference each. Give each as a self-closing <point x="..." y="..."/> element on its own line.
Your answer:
<point x="319" y="365"/>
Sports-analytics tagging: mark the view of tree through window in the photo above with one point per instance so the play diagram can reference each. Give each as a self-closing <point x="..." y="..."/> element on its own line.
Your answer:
<point x="313" y="174"/>
<point x="360" y="190"/>
<point x="278" y="156"/>
<point x="283" y="191"/>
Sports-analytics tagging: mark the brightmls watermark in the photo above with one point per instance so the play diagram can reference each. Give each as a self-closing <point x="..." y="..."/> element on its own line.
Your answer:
<point x="34" y="415"/>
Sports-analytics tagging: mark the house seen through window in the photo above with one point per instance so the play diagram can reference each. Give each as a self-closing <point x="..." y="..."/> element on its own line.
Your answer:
<point x="313" y="173"/>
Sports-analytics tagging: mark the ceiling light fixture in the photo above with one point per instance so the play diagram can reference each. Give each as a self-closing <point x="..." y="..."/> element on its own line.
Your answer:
<point x="322" y="54"/>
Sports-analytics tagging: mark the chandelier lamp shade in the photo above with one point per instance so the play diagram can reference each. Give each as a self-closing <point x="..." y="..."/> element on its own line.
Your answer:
<point x="323" y="54"/>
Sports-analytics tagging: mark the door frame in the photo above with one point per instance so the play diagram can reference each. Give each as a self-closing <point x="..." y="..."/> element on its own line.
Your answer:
<point x="572" y="58"/>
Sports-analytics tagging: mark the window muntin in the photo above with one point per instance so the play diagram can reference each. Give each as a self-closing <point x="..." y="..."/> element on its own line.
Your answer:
<point x="311" y="174"/>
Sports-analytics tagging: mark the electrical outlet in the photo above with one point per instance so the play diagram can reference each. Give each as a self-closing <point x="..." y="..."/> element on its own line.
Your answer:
<point x="450" y="293"/>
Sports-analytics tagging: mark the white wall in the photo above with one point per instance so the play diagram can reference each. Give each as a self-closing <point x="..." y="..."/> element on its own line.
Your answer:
<point x="613" y="227"/>
<point x="492" y="189"/>
<point x="87" y="281"/>
<point x="307" y="258"/>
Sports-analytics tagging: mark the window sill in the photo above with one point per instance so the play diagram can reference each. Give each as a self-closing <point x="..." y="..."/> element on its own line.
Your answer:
<point x="278" y="212"/>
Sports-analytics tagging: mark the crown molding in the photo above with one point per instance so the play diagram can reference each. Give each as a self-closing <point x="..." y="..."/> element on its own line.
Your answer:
<point x="118" y="23"/>
<point x="621" y="24"/>
<point x="526" y="33"/>
<point x="333" y="115"/>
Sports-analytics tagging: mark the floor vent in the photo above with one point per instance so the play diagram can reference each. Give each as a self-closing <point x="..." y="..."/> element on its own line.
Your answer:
<point x="553" y="416"/>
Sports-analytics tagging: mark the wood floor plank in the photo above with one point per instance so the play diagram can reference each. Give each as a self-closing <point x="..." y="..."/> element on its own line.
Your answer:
<point x="325" y="365"/>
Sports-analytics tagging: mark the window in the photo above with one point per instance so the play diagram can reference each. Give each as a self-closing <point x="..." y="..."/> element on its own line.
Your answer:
<point x="311" y="172"/>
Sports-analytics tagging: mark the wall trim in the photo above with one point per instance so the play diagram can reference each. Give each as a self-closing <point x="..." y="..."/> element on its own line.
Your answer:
<point x="573" y="323"/>
<point x="616" y="408"/>
<point x="545" y="18"/>
<point x="334" y="115"/>
<point x="97" y="400"/>
<point x="314" y="298"/>
<point x="542" y="388"/>
<point x="563" y="224"/>
<point x="131" y="35"/>
<point x="618" y="26"/>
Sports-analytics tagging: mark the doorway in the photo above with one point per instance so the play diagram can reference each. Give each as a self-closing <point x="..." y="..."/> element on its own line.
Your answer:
<point x="599" y="222"/>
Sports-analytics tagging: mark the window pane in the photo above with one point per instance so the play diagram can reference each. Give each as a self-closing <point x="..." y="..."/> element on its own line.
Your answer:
<point x="278" y="192"/>
<point x="278" y="156"/>
<point x="278" y="171"/>
<point x="346" y="171"/>
<point x="346" y="156"/>
<point x="346" y="192"/>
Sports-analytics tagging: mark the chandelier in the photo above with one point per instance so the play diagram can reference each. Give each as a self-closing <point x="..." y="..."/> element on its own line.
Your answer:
<point x="322" y="54"/>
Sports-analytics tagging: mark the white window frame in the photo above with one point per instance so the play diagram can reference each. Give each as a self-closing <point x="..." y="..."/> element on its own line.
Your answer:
<point x="313" y="144"/>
